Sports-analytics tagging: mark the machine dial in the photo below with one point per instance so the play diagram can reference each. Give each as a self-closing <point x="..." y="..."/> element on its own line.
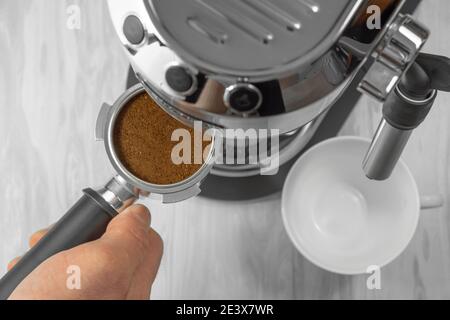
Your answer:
<point x="133" y="30"/>
<point x="243" y="98"/>
<point x="181" y="79"/>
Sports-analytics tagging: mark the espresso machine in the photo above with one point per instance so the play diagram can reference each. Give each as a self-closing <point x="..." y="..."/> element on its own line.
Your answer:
<point x="259" y="64"/>
<point x="278" y="64"/>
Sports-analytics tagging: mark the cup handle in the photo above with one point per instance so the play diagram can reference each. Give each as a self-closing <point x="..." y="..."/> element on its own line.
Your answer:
<point x="431" y="202"/>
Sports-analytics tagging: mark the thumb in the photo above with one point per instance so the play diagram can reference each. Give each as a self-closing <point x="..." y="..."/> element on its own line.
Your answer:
<point x="128" y="235"/>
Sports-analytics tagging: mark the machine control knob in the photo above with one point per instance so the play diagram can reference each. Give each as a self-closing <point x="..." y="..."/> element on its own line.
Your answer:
<point x="134" y="30"/>
<point x="181" y="80"/>
<point x="243" y="98"/>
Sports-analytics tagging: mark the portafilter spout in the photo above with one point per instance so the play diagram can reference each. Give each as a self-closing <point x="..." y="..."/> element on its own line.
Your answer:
<point x="404" y="110"/>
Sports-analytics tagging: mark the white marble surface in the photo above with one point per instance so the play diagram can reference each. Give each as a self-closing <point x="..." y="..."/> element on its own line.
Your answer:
<point x="52" y="83"/>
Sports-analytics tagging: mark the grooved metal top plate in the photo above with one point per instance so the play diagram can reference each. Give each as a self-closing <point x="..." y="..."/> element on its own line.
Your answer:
<point x="250" y="37"/>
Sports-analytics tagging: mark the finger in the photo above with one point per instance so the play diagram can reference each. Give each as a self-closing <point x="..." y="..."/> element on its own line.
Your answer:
<point x="127" y="235"/>
<point x="145" y="274"/>
<point x="36" y="237"/>
<point x="13" y="262"/>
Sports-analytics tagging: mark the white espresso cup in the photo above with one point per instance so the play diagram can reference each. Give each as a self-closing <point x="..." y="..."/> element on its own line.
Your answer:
<point x="342" y="221"/>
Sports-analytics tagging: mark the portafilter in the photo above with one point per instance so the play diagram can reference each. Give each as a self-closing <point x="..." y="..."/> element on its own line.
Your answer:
<point x="88" y="218"/>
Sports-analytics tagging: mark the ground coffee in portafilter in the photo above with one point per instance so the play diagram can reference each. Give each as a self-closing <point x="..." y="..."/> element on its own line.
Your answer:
<point x="142" y="140"/>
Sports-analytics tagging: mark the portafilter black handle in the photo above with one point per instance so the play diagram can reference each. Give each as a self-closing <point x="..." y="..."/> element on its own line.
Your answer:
<point x="86" y="221"/>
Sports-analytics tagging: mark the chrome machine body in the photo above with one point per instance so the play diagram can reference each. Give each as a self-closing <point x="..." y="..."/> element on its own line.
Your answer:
<point x="270" y="64"/>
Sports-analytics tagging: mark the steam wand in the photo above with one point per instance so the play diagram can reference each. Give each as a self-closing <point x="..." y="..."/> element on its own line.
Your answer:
<point x="404" y="110"/>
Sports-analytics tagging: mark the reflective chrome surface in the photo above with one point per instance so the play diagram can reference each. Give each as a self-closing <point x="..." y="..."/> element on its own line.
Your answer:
<point x="229" y="44"/>
<point x="290" y="145"/>
<point x="385" y="151"/>
<point x="293" y="94"/>
<point x="118" y="193"/>
<point x="256" y="39"/>
<point x="395" y="54"/>
<point x="389" y="142"/>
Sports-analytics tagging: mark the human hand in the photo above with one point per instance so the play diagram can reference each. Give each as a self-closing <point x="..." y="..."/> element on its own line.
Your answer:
<point x="122" y="264"/>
